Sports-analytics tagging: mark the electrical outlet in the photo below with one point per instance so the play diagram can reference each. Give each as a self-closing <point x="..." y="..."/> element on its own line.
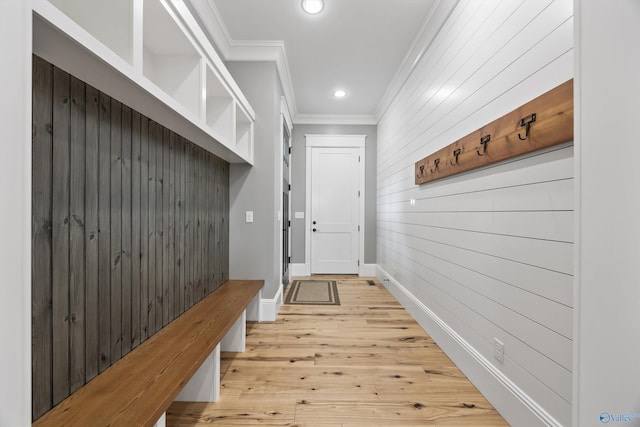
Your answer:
<point x="498" y="347"/>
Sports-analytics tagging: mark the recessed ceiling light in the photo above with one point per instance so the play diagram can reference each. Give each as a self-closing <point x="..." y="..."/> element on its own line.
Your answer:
<point x="339" y="93"/>
<point x="312" y="7"/>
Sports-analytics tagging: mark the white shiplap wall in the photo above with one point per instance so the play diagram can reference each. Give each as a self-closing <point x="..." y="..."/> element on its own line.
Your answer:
<point x="487" y="254"/>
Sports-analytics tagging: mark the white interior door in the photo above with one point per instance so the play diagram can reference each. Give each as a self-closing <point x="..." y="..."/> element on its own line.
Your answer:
<point x="335" y="192"/>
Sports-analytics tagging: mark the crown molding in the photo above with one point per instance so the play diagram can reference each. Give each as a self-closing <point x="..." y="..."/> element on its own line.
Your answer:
<point x="246" y="50"/>
<point x="335" y="119"/>
<point x="438" y="15"/>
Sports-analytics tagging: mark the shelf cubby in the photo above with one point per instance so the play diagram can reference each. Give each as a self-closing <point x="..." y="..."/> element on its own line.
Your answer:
<point x="170" y="60"/>
<point x="109" y="22"/>
<point x="220" y="113"/>
<point x="153" y="56"/>
<point x="244" y="132"/>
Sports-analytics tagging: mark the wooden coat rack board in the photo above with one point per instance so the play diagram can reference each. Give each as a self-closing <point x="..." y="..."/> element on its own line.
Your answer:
<point x="543" y="122"/>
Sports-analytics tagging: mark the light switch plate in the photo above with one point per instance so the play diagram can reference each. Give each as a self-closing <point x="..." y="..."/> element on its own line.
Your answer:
<point x="249" y="216"/>
<point x="299" y="215"/>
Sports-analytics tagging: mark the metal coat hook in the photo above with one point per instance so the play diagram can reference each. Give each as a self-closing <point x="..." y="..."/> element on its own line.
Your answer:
<point x="526" y="122"/>
<point x="436" y="162"/>
<point x="456" y="153"/>
<point x="484" y="141"/>
<point x="421" y="172"/>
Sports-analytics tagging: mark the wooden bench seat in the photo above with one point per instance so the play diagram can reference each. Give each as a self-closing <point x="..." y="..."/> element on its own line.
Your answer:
<point x="138" y="389"/>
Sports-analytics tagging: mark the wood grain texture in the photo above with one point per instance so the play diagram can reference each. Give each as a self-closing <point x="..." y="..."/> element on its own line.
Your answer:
<point x="110" y="197"/>
<point x="365" y="362"/>
<point x="127" y="232"/>
<point x="60" y="234"/>
<point x="138" y="389"/>
<point x="502" y="139"/>
<point x="104" y="234"/>
<point x="77" y="262"/>
<point x="41" y="240"/>
<point x="92" y="115"/>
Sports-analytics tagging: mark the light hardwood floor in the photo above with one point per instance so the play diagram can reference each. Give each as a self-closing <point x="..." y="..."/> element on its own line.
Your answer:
<point x="363" y="363"/>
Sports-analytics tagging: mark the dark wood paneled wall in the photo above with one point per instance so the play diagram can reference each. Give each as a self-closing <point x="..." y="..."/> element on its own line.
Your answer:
<point x="129" y="230"/>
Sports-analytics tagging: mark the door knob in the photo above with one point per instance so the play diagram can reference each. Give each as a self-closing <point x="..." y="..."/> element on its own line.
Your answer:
<point x="314" y="223"/>
<point x="314" y="230"/>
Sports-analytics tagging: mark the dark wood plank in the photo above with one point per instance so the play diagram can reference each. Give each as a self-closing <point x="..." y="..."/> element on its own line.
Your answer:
<point x="126" y="215"/>
<point x="104" y="224"/>
<point x="173" y="276"/>
<point x="182" y="164"/>
<point x="188" y="174"/>
<point x="41" y="250"/>
<point x="166" y="219"/>
<point x="151" y="294"/>
<point x="553" y="126"/>
<point x="136" y="229"/>
<point x="60" y="236"/>
<point x="116" y="230"/>
<point x="77" y="277"/>
<point x="145" y="214"/>
<point x="198" y="221"/>
<point x="92" y="118"/>
<point x="217" y="224"/>
<point x="209" y="255"/>
<point x="139" y="388"/>
<point x="193" y="241"/>
<point x="159" y="224"/>
<point x="224" y="251"/>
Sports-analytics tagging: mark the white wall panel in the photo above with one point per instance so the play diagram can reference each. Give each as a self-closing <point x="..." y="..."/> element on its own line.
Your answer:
<point x="490" y="252"/>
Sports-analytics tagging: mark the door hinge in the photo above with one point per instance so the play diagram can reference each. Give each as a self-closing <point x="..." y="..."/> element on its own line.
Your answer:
<point x="289" y="223"/>
<point x="358" y="228"/>
<point x="358" y="159"/>
<point x="358" y="193"/>
<point x="289" y="187"/>
<point x="358" y="262"/>
<point x="289" y="258"/>
<point x="289" y="150"/>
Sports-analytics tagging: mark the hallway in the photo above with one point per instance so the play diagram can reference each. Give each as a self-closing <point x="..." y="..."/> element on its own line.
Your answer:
<point x="363" y="363"/>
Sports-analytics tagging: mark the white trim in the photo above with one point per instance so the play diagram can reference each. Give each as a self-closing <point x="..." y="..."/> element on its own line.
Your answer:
<point x="256" y="50"/>
<point x="269" y="308"/>
<point x="297" y="269"/>
<point x="367" y="270"/>
<point x="285" y="123"/>
<point x="333" y="140"/>
<point x="517" y="407"/>
<point x="336" y="119"/>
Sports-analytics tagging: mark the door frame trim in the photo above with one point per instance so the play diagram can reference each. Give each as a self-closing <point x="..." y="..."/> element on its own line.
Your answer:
<point x="342" y="141"/>
<point x="285" y="121"/>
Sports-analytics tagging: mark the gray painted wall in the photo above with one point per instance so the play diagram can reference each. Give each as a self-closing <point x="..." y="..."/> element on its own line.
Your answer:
<point x="254" y="247"/>
<point x="298" y="185"/>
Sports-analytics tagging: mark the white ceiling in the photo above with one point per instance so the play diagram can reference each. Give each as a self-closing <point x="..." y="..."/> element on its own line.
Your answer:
<point x="355" y="45"/>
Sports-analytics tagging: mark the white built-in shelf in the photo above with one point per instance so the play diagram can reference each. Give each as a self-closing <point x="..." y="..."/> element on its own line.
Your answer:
<point x="152" y="56"/>
<point x="244" y="130"/>
<point x="110" y="22"/>
<point x="219" y="106"/>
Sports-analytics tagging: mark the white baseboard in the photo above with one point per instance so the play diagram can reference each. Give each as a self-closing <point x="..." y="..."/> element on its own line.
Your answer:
<point x="297" y="270"/>
<point x="269" y="308"/>
<point x="367" y="270"/>
<point x="517" y="407"/>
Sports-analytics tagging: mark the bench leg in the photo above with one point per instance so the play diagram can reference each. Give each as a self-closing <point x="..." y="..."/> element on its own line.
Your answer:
<point x="236" y="338"/>
<point x="204" y="386"/>
<point x="162" y="421"/>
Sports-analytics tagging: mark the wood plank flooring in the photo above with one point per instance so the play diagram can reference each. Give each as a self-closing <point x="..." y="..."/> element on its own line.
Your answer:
<point x="363" y="363"/>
